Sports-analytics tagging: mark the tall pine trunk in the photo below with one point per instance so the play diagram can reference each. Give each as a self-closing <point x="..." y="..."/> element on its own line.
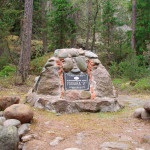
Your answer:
<point x="133" y="41"/>
<point x="89" y="11"/>
<point x="24" y="60"/>
<point x="94" y="26"/>
<point x="44" y="26"/>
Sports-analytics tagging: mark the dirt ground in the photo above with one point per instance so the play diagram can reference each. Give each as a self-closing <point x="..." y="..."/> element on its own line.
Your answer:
<point x="86" y="131"/>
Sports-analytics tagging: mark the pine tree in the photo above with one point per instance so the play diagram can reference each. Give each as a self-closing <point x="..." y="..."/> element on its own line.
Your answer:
<point x="61" y="23"/>
<point x="108" y="23"/>
<point x="142" y="31"/>
<point x="26" y="41"/>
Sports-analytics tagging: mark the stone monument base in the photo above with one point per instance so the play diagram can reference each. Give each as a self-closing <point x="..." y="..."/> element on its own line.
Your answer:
<point x="58" y="105"/>
<point x="74" y="80"/>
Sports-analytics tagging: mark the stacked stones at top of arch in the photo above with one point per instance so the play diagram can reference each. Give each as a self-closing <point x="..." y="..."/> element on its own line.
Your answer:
<point x="74" y="60"/>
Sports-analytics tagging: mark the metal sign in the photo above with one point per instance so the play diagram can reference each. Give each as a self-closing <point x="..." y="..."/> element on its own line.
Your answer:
<point x="76" y="81"/>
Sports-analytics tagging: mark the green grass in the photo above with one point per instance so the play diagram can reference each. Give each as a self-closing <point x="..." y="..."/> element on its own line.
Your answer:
<point x="143" y="84"/>
<point x="119" y="114"/>
<point x="136" y="86"/>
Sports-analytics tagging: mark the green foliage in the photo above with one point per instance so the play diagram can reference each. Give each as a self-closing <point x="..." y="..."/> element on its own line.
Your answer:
<point x="108" y="13"/>
<point x="36" y="50"/>
<point x="8" y="15"/>
<point x="140" y="85"/>
<point x="37" y="64"/>
<point x="114" y="69"/>
<point x="119" y="81"/>
<point x="4" y="60"/>
<point x="130" y="68"/>
<point x="113" y="115"/>
<point x="7" y="71"/>
<point x="142" y="25"/>
<point x="115" y="41"/>
<point x="61" y="23"/>
<point x="108" y="23"/>
<point x="143" y="84"/>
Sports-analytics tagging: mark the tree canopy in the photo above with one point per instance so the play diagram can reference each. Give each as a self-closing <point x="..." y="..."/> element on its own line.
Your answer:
<point x="104" y="26"/>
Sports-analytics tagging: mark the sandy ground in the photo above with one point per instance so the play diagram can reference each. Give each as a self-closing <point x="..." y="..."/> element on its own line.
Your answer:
<point x="87" y="131"/>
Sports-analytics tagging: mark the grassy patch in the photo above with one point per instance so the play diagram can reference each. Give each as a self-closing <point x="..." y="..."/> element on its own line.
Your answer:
<point x="118" y="82"/>
<point x="143" y="84"/>
<point x="7" y="71"/>
<point x="119" y="114"/>
<point x="136" y="86"/>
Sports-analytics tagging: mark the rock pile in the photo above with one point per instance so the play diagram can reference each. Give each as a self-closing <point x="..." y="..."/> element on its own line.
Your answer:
<point x="14" y="126"/>
<point x="143" y="113"/>
<point x="50" y="90"/>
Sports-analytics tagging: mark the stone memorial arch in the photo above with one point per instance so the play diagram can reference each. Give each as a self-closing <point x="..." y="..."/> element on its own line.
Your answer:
<point x="74" y="80"/>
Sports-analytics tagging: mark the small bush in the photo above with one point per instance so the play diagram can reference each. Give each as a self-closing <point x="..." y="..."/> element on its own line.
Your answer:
<point x="7" y="71"/>
<point x="130" y="68"/>
<point x="114" y="69"/>
<point x="4" y="60"/>
<point x="143" y="84"/>
<point x="37" y="64"/>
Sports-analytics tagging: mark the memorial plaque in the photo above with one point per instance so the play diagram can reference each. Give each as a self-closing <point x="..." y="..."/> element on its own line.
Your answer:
<point x="76" y="81"/>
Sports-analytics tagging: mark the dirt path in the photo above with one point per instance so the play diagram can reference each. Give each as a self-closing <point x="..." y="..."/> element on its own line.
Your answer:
<point x="87" y="131"/>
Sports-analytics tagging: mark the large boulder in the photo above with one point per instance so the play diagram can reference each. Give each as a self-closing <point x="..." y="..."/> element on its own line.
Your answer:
<point x="145" y="115"/>
<point x="9" y="138"/>
<point x="7" y="101"/>
<point x="74" y="80"/>
<point x="147" y="106"/>
<point x="21" y="112"/>
<point x="137" y="113"/>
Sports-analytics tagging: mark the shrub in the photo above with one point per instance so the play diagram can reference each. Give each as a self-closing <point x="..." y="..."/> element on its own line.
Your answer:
<point x="130" y="68"/>
<point x="143" y="84"/>
<point x="7" y="71"/>
<point x="4" y="60"/>
<point x="37" y="64"/>
<point x="114" y="70"/>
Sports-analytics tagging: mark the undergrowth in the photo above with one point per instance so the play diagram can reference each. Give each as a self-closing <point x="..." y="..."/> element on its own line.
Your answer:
<point x="119" y="114"/>
<point x="141" y="85"/>
<point x="37" y="64"/>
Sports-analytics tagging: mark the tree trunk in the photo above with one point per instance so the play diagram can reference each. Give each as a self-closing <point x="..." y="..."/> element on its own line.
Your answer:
<point x="89" y="6"/>
<point x="94" y="25"/>
<point x="133" y="41"/>
<point x="44" y="28"/>
<point x="1" y="47"/>
<point x="24" y="61"/>
<point x="76" y="18"/>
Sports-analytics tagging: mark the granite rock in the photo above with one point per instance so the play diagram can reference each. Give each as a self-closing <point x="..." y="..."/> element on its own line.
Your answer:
<point x="147" y="106"/>
<point x="7" y="101"/>
<point x="21" y="112"/>
<point x="137" y="113"/>
<point x="12" y="122"/>
<point x="9" y="138"/>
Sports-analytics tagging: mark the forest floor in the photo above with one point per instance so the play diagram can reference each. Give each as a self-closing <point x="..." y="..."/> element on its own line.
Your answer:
<point x="86" y="131"/>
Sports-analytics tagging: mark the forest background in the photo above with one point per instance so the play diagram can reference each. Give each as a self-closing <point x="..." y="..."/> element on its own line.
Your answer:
<point x="118" y="31"/>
